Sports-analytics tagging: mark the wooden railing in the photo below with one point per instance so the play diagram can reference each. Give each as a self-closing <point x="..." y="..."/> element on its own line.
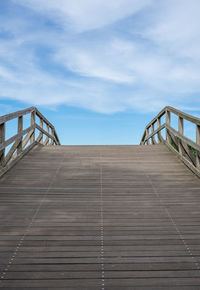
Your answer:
<point x="15" y="147"/>
<point x="187" y="150"/>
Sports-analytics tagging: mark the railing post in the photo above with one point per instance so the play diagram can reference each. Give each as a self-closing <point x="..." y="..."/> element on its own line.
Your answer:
<point x="198" y="143"/>
<point x="20" y="128"/>
<point x="52" y="134"/>
<point x="152" y="130"/>
<point x="158" y="125"/>
<point x="2" y="139"/>
<point x="47" y="137"/>
<point x="33" y="123"/>
<point x="147" y="135"/>
<point x="168" y="120"/>
<point x="41" y="125"/>
<point x="180" y="130"/>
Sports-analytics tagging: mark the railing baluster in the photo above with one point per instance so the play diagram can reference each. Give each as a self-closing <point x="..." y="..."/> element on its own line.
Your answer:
<point x="152" y="138"/>
<point x="33" y="123"/>
<point x="198" y="134"/>
<point x="20" y="128"/>
<point x="41" y="125"/>
<point x="47" y="137"/>
<point x="158" y="125"/>
<point x="147" y="136"/>
<point x="2" y="139"/>
<point x="168" y="120"/>
<point x="52" y="134"/>
<point x="180" y="130"/>
<point x="198" y="143"/>
<point x="180" y="125"/>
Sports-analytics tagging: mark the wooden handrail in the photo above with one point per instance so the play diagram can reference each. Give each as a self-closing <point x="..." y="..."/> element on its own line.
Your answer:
<point x="187" y="150"/>
<point x="14" y="115"/>
<point x="20" y="140"/>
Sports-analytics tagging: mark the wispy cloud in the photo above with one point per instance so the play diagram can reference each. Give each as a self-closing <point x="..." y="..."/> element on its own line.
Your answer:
<point x="87" y="14"/>
<point x="107" y="56"/>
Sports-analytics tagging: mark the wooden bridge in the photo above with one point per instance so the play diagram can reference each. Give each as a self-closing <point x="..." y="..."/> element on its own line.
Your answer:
<point x="99" y="217"/>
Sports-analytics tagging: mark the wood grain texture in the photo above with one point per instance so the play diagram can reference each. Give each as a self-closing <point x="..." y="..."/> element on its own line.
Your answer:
<point x="100" y="217"/>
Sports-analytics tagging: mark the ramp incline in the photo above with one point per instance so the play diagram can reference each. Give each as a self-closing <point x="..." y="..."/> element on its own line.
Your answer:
<point x="100" y="217"/>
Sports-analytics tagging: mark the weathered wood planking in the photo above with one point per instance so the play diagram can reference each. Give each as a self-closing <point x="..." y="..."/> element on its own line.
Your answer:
<point x="100" y="217"/>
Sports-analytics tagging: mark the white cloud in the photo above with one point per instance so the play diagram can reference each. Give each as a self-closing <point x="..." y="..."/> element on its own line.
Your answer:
<point x="7" y="75"/>
<point x="176" y="27"/>
<point x="87" y="14"/>
<point x="108" y="70"/>
<point x="104" y="60"/>
<point x="126" y="62"/>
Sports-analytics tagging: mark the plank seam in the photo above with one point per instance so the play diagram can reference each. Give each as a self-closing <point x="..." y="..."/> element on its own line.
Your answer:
<point x="187" y="248"/>
<point x="14" y="254"/>
<point x="102" y="229"/>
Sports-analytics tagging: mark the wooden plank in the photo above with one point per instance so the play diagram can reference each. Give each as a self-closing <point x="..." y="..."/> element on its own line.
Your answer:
<point x="61" y="202"/>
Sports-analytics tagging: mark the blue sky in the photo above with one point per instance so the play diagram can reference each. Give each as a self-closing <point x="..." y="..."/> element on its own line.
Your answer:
<point x="98" y="69"/>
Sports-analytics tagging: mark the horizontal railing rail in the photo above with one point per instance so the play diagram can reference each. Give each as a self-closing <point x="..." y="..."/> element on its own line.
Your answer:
<point x="187" y="149"/>
<point x="25" y="139"/>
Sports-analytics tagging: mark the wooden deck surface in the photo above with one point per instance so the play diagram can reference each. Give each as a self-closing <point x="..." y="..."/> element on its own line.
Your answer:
<point x="100" y="217"/>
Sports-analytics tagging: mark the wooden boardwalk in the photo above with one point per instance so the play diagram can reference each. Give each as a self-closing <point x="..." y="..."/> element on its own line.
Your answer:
<point x="100" y="217"/>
